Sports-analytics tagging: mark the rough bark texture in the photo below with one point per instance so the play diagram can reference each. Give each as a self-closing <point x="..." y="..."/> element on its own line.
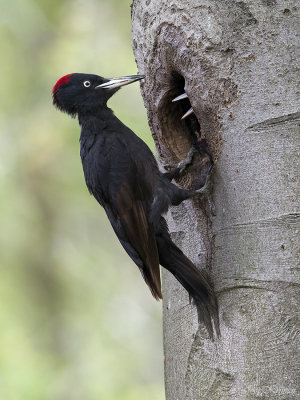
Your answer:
<point x="238" y="63"/>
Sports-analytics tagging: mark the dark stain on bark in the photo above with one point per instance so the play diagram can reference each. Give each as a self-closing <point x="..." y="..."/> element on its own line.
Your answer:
<point x="269" y="2"/>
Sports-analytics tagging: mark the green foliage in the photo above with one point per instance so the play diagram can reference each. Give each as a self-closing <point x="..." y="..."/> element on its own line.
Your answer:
<point x="76" y="319"/>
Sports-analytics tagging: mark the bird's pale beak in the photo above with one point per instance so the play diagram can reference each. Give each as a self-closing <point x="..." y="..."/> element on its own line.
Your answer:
<point x="121" y="81"/>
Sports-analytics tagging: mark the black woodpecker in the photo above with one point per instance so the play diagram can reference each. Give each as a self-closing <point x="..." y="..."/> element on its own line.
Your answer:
<point x="122" y="174"/>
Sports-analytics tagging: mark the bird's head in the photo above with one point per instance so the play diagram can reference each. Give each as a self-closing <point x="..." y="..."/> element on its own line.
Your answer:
<point x="86" y="93"/>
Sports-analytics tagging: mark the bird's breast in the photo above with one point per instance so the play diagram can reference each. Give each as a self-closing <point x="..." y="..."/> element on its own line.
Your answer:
<point x="94" y="165"/>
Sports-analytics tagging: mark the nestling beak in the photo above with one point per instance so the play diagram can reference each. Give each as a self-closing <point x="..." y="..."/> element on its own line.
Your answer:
<point x="181" y="97"/>
<point x="121" y="81"/>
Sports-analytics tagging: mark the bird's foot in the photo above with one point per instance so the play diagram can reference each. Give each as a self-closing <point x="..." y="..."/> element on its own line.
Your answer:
<point x="187" y="161"/>
<point x="174" y="171"/>
<point x="203" y="189"/>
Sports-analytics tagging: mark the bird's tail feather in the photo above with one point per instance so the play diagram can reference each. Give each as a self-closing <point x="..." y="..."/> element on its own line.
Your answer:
<point x="193" y="280"/>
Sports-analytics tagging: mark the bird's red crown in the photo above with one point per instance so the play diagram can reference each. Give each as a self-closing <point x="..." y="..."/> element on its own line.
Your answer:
<point x="62" y="81"/>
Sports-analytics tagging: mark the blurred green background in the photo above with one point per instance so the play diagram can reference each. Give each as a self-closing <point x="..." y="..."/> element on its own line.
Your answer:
<point x="76" y="319"/>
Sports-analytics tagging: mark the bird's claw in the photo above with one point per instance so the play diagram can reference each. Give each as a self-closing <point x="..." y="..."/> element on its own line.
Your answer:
<point x="202" y="190"/>
<point x="187" y="161"/>
<point x="181" y="97"/>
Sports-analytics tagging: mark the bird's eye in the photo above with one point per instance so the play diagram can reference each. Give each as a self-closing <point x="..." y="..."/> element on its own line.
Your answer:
<point x="86" y="83"/>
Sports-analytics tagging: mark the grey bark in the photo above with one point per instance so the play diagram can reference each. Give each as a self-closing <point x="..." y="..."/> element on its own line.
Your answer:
<point x="239" y="61"/>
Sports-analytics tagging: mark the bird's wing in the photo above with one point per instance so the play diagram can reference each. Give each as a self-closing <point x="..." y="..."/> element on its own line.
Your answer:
<point x="137" y="235"/>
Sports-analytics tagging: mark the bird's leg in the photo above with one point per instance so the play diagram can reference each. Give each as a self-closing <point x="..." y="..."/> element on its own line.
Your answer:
<point x="204" y="189"/>
<point x="205" y="169"/>
<point x="181" y="166"/>
<point x="187" y="161"/>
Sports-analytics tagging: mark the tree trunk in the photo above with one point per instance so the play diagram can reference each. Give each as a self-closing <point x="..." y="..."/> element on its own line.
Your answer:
<point x="237" y="62"/>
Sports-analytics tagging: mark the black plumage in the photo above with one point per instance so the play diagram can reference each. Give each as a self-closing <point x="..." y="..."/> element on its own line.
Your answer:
<point x="122" y="174"/>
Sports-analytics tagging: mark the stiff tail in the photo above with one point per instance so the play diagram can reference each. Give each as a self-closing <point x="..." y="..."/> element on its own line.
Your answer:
<point x="193" y="280"/>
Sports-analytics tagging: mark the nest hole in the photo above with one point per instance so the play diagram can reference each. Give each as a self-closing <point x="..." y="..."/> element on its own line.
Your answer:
<point x="177" y="135"/>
